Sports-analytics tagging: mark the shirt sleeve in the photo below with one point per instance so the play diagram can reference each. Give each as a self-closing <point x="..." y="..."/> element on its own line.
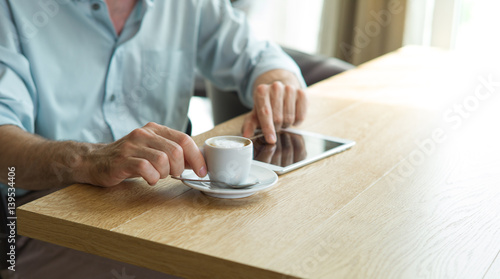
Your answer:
<point x="17" y="90"/>
<point x="230" y="56"/>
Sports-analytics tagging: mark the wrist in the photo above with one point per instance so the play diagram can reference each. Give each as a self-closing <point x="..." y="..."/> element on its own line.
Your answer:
<point x="79" y="162"/>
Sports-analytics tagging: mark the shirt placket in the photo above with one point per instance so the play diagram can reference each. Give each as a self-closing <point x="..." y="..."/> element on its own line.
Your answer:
<point x="115" y="109"/>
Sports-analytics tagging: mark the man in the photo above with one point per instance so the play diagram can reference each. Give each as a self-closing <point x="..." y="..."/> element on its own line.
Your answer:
<point x="95" y="91"/>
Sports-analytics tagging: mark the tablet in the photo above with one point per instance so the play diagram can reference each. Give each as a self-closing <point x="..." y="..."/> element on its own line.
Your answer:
<point x="295" y="148"/>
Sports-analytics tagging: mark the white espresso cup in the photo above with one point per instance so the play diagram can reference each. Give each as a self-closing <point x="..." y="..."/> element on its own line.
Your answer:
<point x="228" y="158"/>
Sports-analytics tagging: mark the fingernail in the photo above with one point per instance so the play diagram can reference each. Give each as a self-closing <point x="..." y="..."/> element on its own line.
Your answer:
<point x="203" y="171"/>
<point x="271" y="138"/>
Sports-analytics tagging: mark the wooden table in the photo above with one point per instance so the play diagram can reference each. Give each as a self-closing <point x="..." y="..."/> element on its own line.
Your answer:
<point x="418" y="196"/>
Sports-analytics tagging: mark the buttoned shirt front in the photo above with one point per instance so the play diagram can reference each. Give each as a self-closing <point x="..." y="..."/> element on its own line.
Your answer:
<point x="66" y="75"/>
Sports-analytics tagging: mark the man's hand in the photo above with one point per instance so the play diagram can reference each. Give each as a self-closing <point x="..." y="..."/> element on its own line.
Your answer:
<point x="152" y="152"/>
<point x="279" y="102"/>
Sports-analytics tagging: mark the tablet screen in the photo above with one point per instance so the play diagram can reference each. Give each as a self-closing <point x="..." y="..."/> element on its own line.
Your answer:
<point x="291" y="148"/>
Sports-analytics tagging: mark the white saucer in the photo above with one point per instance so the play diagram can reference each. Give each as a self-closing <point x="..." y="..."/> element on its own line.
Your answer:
<point x="266" y="177"/>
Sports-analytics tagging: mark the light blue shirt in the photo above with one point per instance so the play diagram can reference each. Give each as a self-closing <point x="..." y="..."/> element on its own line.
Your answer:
<point x="66" y="75"/>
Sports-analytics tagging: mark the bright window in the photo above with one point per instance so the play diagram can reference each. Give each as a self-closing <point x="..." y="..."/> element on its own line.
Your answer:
<point x="478" y="28"/>
<point x="291" y="23"/>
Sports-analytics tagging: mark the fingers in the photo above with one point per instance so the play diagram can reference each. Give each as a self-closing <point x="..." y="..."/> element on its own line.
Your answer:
<point x="276" y="106"/>
<point x="192" y="155"/>
<point x="166" y="155"/>
<point x="300" y="107"/>
<point x="152" y="152"/>
<point x="137" y="167"/>
<point x="289" y="104"/>
<point x="264" y="112"/>
<point x="158" y="159"/>
<point x="181" y="150"/>
<point x="277" y="96"/>
<point x="250" y="124"/>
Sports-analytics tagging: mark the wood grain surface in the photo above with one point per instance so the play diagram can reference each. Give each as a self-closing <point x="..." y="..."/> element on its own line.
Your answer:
<point x="417" y="197"/>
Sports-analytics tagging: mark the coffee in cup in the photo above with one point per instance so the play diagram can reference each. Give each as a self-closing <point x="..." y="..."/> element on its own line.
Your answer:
<point x="229" y="158"/>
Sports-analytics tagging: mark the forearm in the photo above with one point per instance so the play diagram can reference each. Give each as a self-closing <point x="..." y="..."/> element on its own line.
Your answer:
<point x="41" y="163"/>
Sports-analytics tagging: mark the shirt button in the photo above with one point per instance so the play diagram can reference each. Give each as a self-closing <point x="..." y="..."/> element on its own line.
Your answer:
<point x="112" y="98"/>
<point x="96" y="6"/>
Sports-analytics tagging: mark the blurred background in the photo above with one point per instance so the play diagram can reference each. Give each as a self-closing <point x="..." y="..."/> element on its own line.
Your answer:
<point x="357" y="31"/>
<point x="360" y="30"/>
